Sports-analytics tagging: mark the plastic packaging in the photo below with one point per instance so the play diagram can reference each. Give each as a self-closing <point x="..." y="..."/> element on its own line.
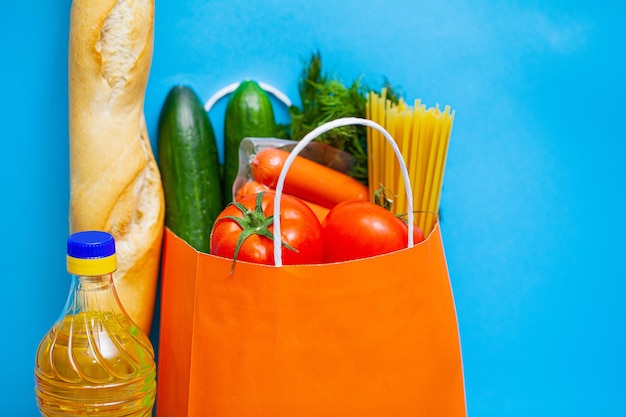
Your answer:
<point x="315" y="151"/>
<point x="94" y="361"/>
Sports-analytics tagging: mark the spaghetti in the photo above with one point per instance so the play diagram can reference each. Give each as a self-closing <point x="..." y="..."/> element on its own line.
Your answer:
<point x="423" y="135"/>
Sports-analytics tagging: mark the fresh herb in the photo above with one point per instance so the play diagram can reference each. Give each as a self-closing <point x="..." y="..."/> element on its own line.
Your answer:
<point x="324" y="99"/>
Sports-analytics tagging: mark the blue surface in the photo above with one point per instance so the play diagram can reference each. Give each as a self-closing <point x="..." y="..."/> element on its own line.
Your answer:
<point x="533" y="197"/>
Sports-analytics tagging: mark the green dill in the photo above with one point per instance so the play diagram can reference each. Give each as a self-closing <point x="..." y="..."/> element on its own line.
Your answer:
<point x="324" y="99"/>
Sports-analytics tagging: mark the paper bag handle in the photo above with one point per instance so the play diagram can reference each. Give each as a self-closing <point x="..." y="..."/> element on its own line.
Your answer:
<point x="345" y="121"/>
<point x="224" y="91"/>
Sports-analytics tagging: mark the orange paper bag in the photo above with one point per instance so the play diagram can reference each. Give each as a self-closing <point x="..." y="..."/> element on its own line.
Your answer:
<point x="375" y="337"/>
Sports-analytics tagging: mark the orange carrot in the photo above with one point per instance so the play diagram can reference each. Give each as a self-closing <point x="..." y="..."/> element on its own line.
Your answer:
<point x="250" y="187"/>
<point x="307" y="179"/>
<point x="319" y="211"/>
<point x="253" y="187"/>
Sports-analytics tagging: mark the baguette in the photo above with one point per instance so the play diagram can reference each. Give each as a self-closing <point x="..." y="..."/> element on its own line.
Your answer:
<point x="115" y="183"/>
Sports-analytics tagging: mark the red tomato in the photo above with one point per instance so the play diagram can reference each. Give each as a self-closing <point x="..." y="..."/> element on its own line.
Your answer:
<point x="243" y="231"/>
<point x="418" y="236"/>
<point x="360" y="229"/>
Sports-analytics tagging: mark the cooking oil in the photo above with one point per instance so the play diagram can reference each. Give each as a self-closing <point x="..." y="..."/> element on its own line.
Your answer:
<point x="94" y="361"/>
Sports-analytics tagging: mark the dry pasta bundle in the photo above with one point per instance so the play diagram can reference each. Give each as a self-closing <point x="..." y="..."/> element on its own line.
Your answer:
<point x="422" y="134"/>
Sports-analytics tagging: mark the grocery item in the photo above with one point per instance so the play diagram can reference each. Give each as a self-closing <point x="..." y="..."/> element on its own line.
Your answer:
<point x="360" y="229"/>
<point x="189" y="165"/>
<point x="244" y="231"/>
<point x="306" y="179"/>
<point x="115" y="184"/>
<point x="373" y="337"/>
<point x="95" y="360"/>
<point x="423" y="135"/>
<point x="249" y="113"/>
<point x="324" y="97"/>
<point x="252" y="187"/>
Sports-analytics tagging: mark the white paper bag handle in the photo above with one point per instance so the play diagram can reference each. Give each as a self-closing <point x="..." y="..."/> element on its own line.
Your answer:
<point x="223" y="92"/>
<point x="345" y="121"/>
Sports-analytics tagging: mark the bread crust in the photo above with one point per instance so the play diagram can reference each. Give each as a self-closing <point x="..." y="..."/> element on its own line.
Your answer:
<point x="115" y="183"/>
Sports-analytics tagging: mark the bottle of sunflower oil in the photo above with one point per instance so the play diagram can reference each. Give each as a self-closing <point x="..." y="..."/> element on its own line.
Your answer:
<point x="94" y="361"/>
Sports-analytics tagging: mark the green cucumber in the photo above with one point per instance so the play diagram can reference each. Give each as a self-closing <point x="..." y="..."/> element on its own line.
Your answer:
<point x="189" y="165"/>
<point x="249" y="113"/>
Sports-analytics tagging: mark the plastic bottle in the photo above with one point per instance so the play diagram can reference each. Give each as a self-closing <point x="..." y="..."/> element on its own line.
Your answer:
<point x="94" y="361"/>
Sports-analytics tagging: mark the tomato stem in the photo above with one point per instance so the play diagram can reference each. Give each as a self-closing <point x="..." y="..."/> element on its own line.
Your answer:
<point x="381" y="199"/>
<point x="404" y="215"/>
<point x="252" y="222"/>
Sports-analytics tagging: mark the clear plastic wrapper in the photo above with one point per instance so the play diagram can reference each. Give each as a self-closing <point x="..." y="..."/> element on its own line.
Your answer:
<point x="316" y="151"/>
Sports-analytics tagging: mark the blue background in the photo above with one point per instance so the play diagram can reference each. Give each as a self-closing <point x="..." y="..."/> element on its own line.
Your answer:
<point x="532" y="203"/>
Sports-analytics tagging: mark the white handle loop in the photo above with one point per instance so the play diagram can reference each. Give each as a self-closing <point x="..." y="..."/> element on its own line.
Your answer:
<point x="345" y="121"/>
<point x="232" y="87"/>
